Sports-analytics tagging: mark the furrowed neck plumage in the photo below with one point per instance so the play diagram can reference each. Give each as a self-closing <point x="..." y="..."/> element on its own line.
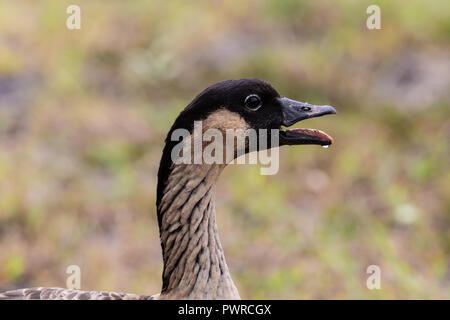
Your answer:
<point x="194" y="262"/>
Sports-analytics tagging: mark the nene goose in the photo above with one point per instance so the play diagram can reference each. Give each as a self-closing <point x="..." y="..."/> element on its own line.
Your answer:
<point x="194" y="261"/>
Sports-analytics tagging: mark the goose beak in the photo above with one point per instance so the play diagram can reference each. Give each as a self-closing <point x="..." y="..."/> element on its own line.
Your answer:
<point x="295" y="111"/>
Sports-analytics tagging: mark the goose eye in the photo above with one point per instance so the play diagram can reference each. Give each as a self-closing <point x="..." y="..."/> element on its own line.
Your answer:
<point x="253" y="102"/>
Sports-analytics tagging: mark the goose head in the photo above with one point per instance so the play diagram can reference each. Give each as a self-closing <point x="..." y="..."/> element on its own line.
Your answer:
<point x="246" y="104"/>
<point x="259" y="106"/>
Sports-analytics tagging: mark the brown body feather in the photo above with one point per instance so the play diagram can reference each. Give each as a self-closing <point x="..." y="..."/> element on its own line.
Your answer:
<point x="68" y="294"/>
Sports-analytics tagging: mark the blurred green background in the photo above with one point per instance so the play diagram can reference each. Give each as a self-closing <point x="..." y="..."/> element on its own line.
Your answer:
<point x="83" y="115"/>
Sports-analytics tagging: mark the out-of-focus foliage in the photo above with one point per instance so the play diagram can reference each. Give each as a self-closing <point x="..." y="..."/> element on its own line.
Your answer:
<point x="83" y="115"/>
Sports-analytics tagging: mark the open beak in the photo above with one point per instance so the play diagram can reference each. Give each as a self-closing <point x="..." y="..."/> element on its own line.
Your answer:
<point x="295" y="111"/>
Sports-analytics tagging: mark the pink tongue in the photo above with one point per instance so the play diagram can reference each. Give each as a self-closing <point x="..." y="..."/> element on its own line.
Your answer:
<point x="314" y="133"/>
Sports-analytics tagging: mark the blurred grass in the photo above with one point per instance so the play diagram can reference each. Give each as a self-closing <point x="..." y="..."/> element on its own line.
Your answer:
<point x="83" y="115"/>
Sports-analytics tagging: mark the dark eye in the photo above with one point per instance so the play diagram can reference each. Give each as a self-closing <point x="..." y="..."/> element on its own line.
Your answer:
<point x="306" y="108"/>
<point x="253" y="102"/>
